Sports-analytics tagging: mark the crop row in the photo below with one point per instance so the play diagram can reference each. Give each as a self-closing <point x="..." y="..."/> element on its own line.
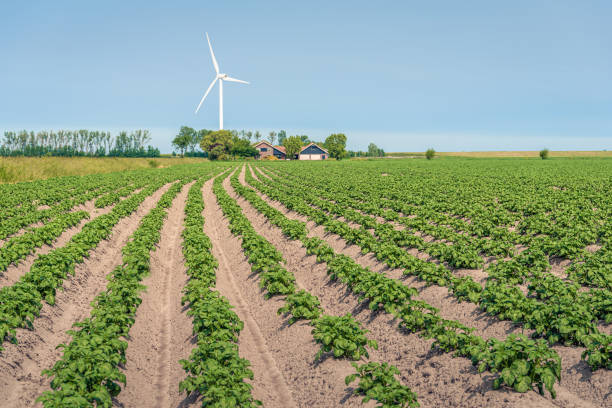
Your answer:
<point x="569" y="220"/>
<point x="593" y="300"/>
<point x="25" y="199"/>
<point x="492" y="241"/>
<point x="342" y="336"/>
<point x="586" y="228"/>
<point x="89" y="371"/>
<point x="20" y="303"/>
<point x="529" y="268"/>
<point x="521" y="362"/>
<point x="19" y="247"/>
<point x="564" y="203"/>
<point x="14" y="224"/>
<point x="214" y="369"/>
<point x="561" y="315"/>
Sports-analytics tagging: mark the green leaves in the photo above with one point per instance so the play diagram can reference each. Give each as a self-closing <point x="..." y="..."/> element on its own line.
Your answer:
<point x="341" y="335"/>
<point x="214" y="369"/>
<point x="526" y="363"/>
<point x="301" y="305"/>
<point x="21" y="303"/>
<point x="523" y="363"/>
<point x="378" y="382"/>
<point x="598" y="353"/>
<point x="89" y="370"/>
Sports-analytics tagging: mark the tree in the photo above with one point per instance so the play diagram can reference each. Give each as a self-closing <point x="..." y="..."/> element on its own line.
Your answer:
<point x="335" y="145"/>
<point x="257" y="135"/>
<point x="430" y="153"/>
<point x="272" y="137"/>
<point x="249" y="135"/>
<point x="304" y="139"/>
<point x="183" y="139"/>
<point x="544" y="154"/>
<point x="197" y="139"/>
<point x="243" y="148"/>
<point x="292" y="144"/>
<point x="375" y="151"/>
<point x="282" y="135"/>
<point x="218" y="144"/>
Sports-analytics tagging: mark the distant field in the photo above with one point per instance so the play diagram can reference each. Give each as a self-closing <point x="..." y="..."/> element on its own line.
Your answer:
<point x="517" y="153"/>
<point x="14" y="169"/>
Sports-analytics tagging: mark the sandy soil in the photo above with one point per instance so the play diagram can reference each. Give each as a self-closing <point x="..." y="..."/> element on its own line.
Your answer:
<point x="580" y="386"/>
<point x="282" y="356"/>
<point x="86" y="206"/>
<point x="15" y="271"/>
<point x="22" y="363"/>
<point x="161" y="334"/>
<point x="439" y="297"/>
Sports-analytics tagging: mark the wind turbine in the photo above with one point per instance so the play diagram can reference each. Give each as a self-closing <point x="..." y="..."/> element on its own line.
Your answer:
<point x="220" y="77"/>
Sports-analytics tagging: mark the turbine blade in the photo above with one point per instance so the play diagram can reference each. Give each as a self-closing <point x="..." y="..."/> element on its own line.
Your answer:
<point x="207" y="91"/>
<point x="235" y="80"/>
<point x="212" y="54"/>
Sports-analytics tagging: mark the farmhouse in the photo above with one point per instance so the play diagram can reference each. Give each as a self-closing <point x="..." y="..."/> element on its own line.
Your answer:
<point x="267" y="149"/>
<point x="313" y="151"/>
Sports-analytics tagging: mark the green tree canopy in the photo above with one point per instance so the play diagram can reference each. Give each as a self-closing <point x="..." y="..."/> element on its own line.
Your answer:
<point x="243" y="148"/>
<point x="336" y="145"/>
<point x="282" y="135"/>
<point x="218" y="144"/>
<point x="184" y="139"/>
<point x="375" y="151"/>
<point x="292" y="144"/>
<point x="272" y="137"/>
<point x="197" y="138"/>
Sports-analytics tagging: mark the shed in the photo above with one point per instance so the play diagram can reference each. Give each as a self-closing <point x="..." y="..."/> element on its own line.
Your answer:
<point x="313" y="151"/>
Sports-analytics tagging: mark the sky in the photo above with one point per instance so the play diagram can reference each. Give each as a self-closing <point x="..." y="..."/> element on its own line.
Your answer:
<point x="406" y="75"/>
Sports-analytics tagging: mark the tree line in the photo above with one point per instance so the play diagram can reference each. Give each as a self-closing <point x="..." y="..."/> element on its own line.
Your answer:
<point x="70" y="143"/>
<point x="188" y="141"/>
<point x="373" y="151"/>
<point x="234" y="144"/>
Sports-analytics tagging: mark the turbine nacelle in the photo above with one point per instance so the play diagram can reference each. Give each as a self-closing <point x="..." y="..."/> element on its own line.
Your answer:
<point x="221" y="78"/>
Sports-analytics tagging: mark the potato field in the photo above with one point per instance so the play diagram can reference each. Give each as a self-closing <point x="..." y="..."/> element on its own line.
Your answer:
<point x="455" y="282"/>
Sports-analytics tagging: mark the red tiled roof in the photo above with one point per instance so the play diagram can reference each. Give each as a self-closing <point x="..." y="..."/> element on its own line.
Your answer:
<point x="281" y="148"/>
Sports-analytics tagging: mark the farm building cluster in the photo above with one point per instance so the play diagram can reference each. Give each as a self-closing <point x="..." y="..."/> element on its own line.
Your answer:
<point x="311" y="151"/>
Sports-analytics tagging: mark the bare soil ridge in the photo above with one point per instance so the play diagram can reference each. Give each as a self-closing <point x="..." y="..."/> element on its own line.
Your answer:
<point x="162" y="332"/>
<point x="21" y="364"/>
<point x="15" y="271"/>
<point x="579" y="386"/>
<point x="292" y="347"/>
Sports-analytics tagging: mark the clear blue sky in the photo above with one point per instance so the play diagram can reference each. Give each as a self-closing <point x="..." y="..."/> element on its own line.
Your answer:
<point x="454" y="75"/>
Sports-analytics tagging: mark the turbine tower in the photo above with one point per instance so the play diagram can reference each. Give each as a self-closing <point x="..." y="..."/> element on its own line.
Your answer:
<point x="220" y="77"/>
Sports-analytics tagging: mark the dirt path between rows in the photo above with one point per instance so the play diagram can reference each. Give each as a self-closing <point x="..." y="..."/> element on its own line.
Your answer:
<point x="88" y="206"/>
<point x="559" y="266"/>
<point x="282" y="356"/>
<point x="15" y="271"/>
<point x="21" y="364"/>
<point x="437" y="296"/>
<point x="576" y="375"/>
<point x="579" y="387"/>
<point x="161" y="334"/>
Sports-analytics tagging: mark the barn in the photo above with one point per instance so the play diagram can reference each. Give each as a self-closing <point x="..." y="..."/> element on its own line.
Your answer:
<point x="267" y="149"/>
<point x="313" y="151"/>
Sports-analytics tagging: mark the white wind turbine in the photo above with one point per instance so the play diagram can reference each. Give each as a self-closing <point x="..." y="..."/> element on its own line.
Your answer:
<point x="221" y="78"/>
